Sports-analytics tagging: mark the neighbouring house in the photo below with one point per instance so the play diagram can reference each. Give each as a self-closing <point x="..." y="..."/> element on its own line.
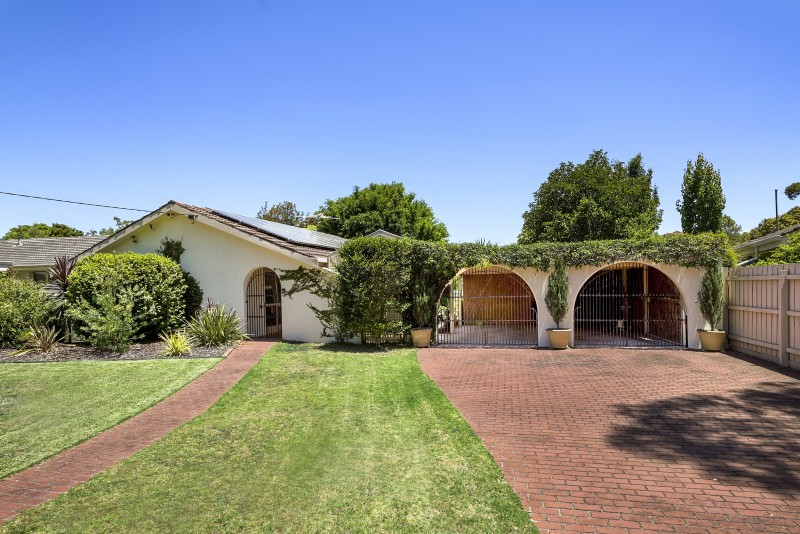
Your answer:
<point x="762" y="247"/>
<point x="238" y="261"/>
<point x="32" y="258"/>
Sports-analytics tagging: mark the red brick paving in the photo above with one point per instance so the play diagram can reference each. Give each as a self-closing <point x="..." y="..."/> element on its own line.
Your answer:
<point x="597" y="440"/>
<point x="67" y="469"/>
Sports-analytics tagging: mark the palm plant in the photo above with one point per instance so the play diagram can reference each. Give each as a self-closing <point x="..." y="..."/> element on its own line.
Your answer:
<point x="57" y="291"/>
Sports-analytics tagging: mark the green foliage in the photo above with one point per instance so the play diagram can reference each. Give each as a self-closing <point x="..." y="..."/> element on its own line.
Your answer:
<point x="172" y="249"/>
<point x="597" y="199"/>
<point x="57" y="291"/>
<point x="381" y="207"/>
<point x="22" y="303"/>
<point x="767" y="226"/>
<point x="215" y="325"/>
<point x="792" y="190"/>
<point x="731" y="229"/>
<point x="556" y="297"/>
<point x="711" y="296"/>
<point x="175" y="343"/>
<point x="28" y="231"/>
<point x="158" y="281"/>
<point x="40" y="338"/>
<point x="193" y="296"/>
<point x="285" y="212"/>
<point x="108" y="319"/>
<point x="118" y="223"/>
<point x="374" y="285"/>
<point x="788" y="253"/>
<point x="702" y="200"/>
<point x="324" y="284"/>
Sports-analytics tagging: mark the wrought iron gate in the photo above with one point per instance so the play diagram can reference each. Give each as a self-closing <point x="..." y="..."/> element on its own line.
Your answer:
<point x="487" y="307"/>
<point x="263" y="303"/>
<point x="630" y="305"/>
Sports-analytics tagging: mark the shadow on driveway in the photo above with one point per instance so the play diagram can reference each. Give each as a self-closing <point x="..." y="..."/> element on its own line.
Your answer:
<point x="747" y="437"/>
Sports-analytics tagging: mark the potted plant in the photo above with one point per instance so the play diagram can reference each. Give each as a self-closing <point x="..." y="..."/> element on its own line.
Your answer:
<point x="422" y="312"/>
<point x="711" y="298"/>
<point x="557" y="304"/>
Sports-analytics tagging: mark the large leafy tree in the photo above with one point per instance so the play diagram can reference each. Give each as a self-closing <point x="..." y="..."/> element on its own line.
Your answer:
<point x="381" y="207"/>
<point x="596" y="199"/>
<point x="28" y="231"/>
<point x="768" y="225"/>
<point x="702" y="201"/>
<point x="285" y="212"/>
<point x="732" y="229"/>
<point x="792" y="190"/>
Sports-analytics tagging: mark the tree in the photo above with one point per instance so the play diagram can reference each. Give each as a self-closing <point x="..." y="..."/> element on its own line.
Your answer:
<point x="381" y="207"/>
<point x="788" y="253"/>
<point x="28" y="231"/>
<point x="702" y="200"/>
<point x="119" y="223"/>
<point x="732" y="229"/>
<point x="597" y="199"/>
<point x="767" y="226"/>
<point x="285" y="212"/>
<point x="792" y="190"/>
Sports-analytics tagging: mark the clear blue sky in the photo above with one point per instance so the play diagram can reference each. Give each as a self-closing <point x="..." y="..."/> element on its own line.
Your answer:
<point x="469" y="104"/>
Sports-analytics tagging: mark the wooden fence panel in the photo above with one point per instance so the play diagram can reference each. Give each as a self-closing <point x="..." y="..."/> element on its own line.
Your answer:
<point x="763" y="317"/>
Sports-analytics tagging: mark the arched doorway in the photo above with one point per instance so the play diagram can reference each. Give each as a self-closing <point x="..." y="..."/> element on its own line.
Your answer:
<point x="487" y="306"/>
<point x="630" y="305"/>
<point x="263" y="304"/>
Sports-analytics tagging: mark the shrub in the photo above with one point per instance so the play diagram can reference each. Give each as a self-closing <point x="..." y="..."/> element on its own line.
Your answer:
<point x="158" y="305"/>
<point x="108" y="322"/>
<point x="22" y="303"/>
<point x="712" y="296"/>
<point x="556" y="297"/>
<point x="175" y="344"/>
<point x="57" y="291"/>
<point x="193" y="296"/>
<point x="40" y="338"/>
<point x="215" y="326"/>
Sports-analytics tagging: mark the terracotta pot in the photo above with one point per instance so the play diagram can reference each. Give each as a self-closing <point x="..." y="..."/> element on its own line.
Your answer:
<point x="421" y="337"/>
<point x="712" y="340"/>
<point x="559" y="337"/>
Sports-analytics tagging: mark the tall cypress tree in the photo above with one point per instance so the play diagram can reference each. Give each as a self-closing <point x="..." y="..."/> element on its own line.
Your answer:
<point x="702" y="200"/>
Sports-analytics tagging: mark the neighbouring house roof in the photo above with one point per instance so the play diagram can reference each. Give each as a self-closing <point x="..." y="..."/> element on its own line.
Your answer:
<point x="42" y="252"/>
<point x="302" y="241"/>
<point x="755" y="247"/>
<point x="384" y="233"/>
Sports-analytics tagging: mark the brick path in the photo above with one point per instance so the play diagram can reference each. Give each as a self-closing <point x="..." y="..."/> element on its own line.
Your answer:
<point x="635" y="440"/>
<point x="67" y="469"/>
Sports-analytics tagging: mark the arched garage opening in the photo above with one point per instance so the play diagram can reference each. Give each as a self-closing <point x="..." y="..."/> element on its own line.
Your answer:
<point x="487" y="306"/>
<point x="263" y="304"/>
<point x="630" y="305"/>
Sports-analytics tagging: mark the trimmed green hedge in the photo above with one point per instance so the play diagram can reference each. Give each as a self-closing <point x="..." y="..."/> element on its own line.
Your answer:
<point x="378" y="276"/>
<point x="159" y="279"/>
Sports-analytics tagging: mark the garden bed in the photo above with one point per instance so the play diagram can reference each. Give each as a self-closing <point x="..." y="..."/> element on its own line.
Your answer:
<point x="149" y="350"/>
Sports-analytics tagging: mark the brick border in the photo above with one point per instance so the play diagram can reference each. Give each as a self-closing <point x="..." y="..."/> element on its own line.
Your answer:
<point x="49" y="479"/>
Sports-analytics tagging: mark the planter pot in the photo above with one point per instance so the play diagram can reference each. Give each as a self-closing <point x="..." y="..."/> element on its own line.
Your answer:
<point x="559" y="337"/>
<point x="421" y="337"/>
<point x="712" y="340"/>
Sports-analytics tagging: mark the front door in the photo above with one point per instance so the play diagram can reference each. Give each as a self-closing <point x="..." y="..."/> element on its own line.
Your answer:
<point x="263" y="303"/>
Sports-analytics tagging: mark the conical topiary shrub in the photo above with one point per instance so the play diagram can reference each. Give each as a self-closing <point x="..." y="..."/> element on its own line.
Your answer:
<point x="557" y="291"/>
<point x="711" y="298"/>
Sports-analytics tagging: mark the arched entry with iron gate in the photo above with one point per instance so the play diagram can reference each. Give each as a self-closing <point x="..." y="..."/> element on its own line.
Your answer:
<point x="487" y="306"/>
<point x="263" y="304"/>
<point x="630" y="305"/>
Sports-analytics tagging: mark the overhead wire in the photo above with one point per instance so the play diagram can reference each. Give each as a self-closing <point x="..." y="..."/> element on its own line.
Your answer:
<point x="73" y="202"/>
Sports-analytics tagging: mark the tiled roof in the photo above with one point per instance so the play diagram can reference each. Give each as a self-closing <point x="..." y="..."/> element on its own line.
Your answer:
<point x="767" y="237"/>
<point x="261" y="233"/>
<point x="43" y="251"/>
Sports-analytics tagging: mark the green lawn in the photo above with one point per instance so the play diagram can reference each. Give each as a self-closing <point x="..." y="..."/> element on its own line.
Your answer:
<point x="48" y="407"/>
<point x="313" y="439"/>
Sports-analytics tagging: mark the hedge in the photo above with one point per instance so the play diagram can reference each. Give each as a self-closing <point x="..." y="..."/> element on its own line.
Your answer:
<point x="23" y="303"/>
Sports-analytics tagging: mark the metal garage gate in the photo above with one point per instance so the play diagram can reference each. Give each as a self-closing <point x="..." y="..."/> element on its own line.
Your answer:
<point x="487" y="306"/>
<point x="630" y="305"/>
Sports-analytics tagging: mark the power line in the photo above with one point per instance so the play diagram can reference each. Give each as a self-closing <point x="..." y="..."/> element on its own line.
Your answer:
<point x="73" y="202"/>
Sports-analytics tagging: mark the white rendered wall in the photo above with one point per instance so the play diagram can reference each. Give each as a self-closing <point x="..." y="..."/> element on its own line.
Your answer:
<point x="687" y="280"/>
<point x="222" y="263"/>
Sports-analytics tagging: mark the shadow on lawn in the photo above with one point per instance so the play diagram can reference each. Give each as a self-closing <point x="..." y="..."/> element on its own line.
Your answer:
<point x="751" y="436"/>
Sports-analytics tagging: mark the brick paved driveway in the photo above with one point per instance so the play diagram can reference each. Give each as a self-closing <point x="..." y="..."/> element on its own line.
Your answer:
<point x="634" y="440"/>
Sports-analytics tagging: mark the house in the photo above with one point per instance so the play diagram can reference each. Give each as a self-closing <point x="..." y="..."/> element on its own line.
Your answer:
<point x="761" y="247"/>
<point x="32" y="258"/>
<point x="238" y="260"/>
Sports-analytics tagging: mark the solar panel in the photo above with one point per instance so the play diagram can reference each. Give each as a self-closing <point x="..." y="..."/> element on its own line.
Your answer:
<point x="293" y="234"/>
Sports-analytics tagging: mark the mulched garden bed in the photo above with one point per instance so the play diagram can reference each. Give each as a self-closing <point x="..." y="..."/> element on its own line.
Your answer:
<point x="149" y="350"/>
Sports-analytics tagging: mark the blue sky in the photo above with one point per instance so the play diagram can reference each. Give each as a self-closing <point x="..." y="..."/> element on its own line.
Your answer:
<point x="469" y="104"/>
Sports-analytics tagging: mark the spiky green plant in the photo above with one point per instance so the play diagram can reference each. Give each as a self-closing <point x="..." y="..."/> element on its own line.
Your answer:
<point x="711" y="296"/>
<point x="215" y="325"/>
<point x="176" y="343"/>
<point x="557" y="292"/>
<point x="39" y="338"/>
